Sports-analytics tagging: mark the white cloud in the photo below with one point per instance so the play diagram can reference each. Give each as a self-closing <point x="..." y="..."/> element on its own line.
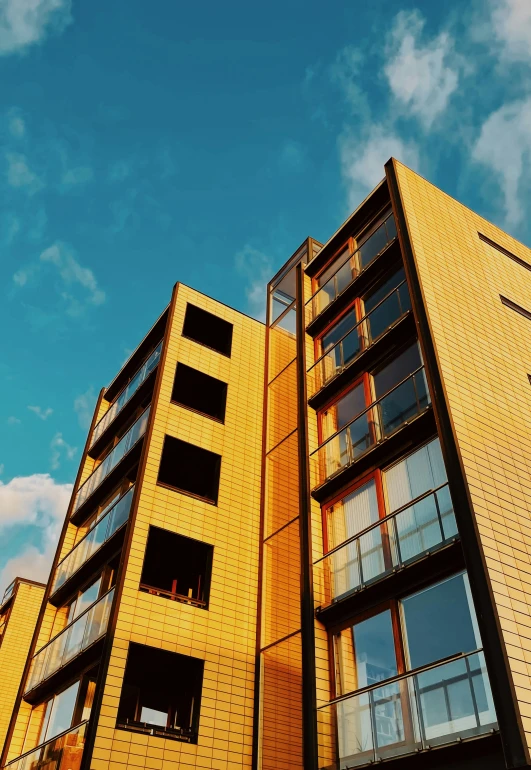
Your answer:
<point x="421" y="76"/>
<point x="256" y="268"/>
<point x="20" y="175"/>
<point x="504" y="146"/>
<point x="42" y="413"/>
<point x="16" y="124"/>
<point x="84" y="407"/>
<point x="2" y="467"/>
<point x="345" y="72"/>
<point x="36" y="500"/>
<point x="120" y="171"/>
<point x="362" y="161"/>
<point x="60" y="449"/>
<point x="74" y="177"/>
<point x="292" y="156"/>
<point x="511" y="28"/>
<point x="13" y="420"/>
<point x="26" y="22"/>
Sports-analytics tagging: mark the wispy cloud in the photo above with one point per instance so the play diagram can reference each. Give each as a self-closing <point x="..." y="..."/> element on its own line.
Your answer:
<point x="77" y="286"/>
<point x="74" y="177"/>
<point x="24" y="23"/>
<point x="16" y="123"/>
<point x="43" y="414"/>
<point x="511" y="28"/>
<point x="292" y="156"/>
<point x="12" y="420"/>
<point x="84" y="407"/>
<point x="36" y="501"/>
<point x="256" y="267"/>
<point x="60" y="450"/>
<point x="20" y="175"/>
<point x="504" y="146"/>
<point x="422" y="75"/>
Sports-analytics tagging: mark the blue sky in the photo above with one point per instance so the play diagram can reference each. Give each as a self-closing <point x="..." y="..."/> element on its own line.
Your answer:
<point x="145" y="143"/>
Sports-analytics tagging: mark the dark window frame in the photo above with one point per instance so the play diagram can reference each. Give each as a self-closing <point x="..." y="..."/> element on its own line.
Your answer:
<point x="184" y="405"/>
<point x="201" y="342"/>
<point x="182" y="490"/>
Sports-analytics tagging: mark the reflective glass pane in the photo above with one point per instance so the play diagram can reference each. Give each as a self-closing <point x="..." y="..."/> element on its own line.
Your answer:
<point x="372" y="554"/>
<point x="418" y="528"/>
<point x="397" y="370"/>
<point x="372" y="246"/>
<point x="374" y="649"/>
<point x="338" y="331"/>
<point x="360" y="435"/>
<point x="383" y="316"/>
<point x="400" y="405"/>
<point x="62" y="711"/>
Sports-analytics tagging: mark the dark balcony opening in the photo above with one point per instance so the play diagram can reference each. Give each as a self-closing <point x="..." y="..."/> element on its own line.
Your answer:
<point x="188" y="468"/>
<point x="161" y="693"/>
<point x="200" y="392"/>
<point x="208" y="329"/>
<point x="177" y="567"/>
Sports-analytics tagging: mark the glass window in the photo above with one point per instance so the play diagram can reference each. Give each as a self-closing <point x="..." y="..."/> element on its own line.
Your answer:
<point x="338" y="331"/>
<point x="440" y="621"/>
<point x="416" y="474"/>
<point x="354" y="513"/>
<point x="59" y="713"/>
<point x="372" y="299"/>
<point x="84" y="600"/>
<point x="397" y="370"/>
<point x="343" y="411"/>
<point x="374" y="649"/>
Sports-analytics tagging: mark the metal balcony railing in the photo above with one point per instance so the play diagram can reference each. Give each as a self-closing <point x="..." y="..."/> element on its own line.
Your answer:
<point x="392" y="307"/>
<point x="86" y="629"/>
<point x="432" y="706"/>
<point x="378" y="421"/>
<point x="104" y="528"/>
<point x="408" y="533"/>
<point x="130" y="389"/>
<point x="126" y="443"/>
<point x="351" y="267"/>
<point x="63" y="752"/>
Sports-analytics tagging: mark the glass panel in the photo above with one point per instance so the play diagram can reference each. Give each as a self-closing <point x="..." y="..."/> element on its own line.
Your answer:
<point x="439" y="621"/>
<point x="403" y="403"/>
<point x="397" y="370"/>
<point x="376" y="296"/>
<point x="97" y="619"/>
<point x="374" y="649"/>
<point x="343" y="411"/>
<point x="87" y="598"/>
<point x="342" y="449"/>
<point x="141" y="375"/>
<point x="134" y="433"/>
<point x="332" y="337"/>
<point x="62" y="753"/>
<point x="74" y="639"/>
<point x="62" y="711"/>
<point x="418" y="528"/>
<point x="354" y="513"/>
<point x="421" y="471"/>
<point x="374" y="244"/>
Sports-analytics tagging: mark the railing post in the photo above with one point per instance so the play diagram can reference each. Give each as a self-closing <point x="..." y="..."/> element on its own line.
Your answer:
<point x="443" y="538"/>
<point x="471" y="685"/>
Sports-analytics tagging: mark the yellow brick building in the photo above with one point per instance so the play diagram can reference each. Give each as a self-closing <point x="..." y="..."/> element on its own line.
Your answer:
<point x="305" y="544"/>
<point x="18" y="616"/>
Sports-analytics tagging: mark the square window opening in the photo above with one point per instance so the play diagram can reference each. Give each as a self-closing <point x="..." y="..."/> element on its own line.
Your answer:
<point x="189" y="468"/>
<point x="208" y="329"/>
<point x="200" y="392"/>
<point x="177" y="567"/>
<point x="161" y="693"/>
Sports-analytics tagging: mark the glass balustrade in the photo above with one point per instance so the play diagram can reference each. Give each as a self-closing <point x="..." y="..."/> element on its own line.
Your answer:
<point x="436" y="705"/>
<point x="367" y="330"/>
<point x="64" y="752"/>
<point x="352" y="266"/>
<point x="109" y="523"/>
<point x="403" y="402"/>
<point x="8" y="593"/>
<point x="130" y="389"/>
<point x="86" y="629"/>
<point x="126" y="443"/>
<point x="397" y="540"/>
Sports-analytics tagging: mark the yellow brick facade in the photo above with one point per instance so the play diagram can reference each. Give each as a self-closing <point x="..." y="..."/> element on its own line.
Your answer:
<point x="15" y="645"/>
<point x="484" y="355"/>
<point x="225" y="635"/>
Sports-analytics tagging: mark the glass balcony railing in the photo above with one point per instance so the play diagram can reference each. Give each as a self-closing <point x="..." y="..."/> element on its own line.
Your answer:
<point x="8" y="593"/>
<point x="101" y="532"/>
<point x="402" y="403"/>
<point x="86" y="629"/>
<point x="439" y="704"/>
<point x="351" y="267"/>
<point x="126" y="443"/>
<point x="126" y="394"/>
<point x="347" y="349"/>
<point x="64" y="752"/>
<point x="399" y="539"/>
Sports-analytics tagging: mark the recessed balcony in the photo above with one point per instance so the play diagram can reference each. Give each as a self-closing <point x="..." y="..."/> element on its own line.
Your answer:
<point x="350" y="266"/>
<point x="396" y="541"/>
<point x="63" y="752"/>
<point x="101" y="533"/>
<point x="132" y="387"/>
<point x="111" y="461"/>
<point x="364" y="334"/>
<point x="77" y="637"/>
<point x="384" y="417"/>
<point x="447" y="702"/>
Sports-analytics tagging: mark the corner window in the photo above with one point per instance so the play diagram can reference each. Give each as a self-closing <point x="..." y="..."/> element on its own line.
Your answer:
<point x="161" y="693"/>
<point x="189" y="468"/>
<point x="177" y="567"/>
<point x="200" y="392"/>
<point x="208" y="329"/>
